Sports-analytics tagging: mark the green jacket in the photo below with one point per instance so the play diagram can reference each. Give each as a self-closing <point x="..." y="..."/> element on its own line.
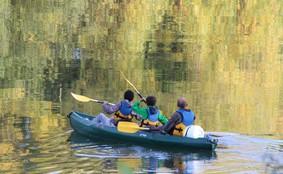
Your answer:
<point x="142" y="111"/>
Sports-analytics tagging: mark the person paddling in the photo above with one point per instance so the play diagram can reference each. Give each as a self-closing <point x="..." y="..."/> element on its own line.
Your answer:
<point x="151" y="116"/>
<point x="122" y="111"/>
<point x="180" y="119"/>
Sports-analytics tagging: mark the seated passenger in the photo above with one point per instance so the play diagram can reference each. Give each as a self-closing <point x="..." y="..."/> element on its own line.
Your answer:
<point x="122" y="110"/>
<point x="151" y="116"/>
<point x="182" y="118"/>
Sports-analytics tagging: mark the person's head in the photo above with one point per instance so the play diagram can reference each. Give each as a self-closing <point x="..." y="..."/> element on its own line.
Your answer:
<point x="150" y="101"/>
<point x="182" y="103"/>
<point x="129" y="95"/>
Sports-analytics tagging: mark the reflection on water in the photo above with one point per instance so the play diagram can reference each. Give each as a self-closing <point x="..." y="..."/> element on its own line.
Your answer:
<point x="136" y="159"/>
<point x="225" y="57"/>
<point x="27" y="148"/>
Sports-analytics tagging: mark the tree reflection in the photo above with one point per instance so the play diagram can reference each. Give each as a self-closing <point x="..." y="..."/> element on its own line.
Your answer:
<point x="165" y="53"/>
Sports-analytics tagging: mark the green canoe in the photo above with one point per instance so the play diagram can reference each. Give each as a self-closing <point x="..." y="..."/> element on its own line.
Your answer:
<point x="82" y="124"/>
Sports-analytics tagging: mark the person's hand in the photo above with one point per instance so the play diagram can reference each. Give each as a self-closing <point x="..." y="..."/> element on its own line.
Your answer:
<point x="143" y="100"/>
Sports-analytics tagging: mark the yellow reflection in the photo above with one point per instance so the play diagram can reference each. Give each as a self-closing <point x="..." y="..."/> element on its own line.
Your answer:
<point x="128" y="165"/>
<point x="230" y="54"/>
<point x="6" y="148"/>
<point x="12" y="93"/>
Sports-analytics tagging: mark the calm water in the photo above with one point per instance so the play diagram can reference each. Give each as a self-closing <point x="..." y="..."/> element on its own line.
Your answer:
<point x="225" y="57"/>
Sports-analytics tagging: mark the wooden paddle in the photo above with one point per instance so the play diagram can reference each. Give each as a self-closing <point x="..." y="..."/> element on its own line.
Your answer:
<point x="82" y="98"/>
<point x="129" y="127"/>
<point x="137" y="91"/>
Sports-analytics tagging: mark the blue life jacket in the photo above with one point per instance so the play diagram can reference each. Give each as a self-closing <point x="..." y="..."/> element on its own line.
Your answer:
<point x="125" y="108"/>
<point x="152" y="118"/>
<point x="188" y="116"/>
<point x="152" y="114"/>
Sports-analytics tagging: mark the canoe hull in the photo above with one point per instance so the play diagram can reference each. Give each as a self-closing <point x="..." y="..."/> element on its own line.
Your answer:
<point x="81" y="123"/>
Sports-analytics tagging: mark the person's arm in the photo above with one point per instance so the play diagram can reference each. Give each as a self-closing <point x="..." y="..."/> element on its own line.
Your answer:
<point x="162" y="118"/>
<point x="175" y="119"/>
<point x="141" y="111"/>
<point x="110" y="109"/>
<point x="194" y="116"/>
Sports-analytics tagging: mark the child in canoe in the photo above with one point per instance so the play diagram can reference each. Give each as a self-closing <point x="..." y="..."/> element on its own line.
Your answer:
<point x="122" y="111"/>
<point x="151" y="116"/>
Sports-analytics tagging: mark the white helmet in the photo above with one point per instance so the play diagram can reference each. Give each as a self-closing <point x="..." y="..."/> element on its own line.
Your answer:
<point x="193" y="131"/>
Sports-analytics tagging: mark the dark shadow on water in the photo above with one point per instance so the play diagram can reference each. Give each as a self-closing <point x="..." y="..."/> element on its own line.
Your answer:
<point x="80" y="141"/>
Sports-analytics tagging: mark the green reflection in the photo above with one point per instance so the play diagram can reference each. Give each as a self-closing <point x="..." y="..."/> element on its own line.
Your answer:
<point x="220" y="56"/>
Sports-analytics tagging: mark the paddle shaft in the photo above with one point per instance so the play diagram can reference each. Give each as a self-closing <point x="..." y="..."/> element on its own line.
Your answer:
<point x="98" y="101"/>
<point x="101" y="102"/>
<point x="82" y="98"/>
<point x="139" y="94"/>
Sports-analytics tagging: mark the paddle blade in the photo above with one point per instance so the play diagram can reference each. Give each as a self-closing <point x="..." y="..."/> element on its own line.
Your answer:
<point x="81" y="98"/>
<point x="129" y="127"/>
